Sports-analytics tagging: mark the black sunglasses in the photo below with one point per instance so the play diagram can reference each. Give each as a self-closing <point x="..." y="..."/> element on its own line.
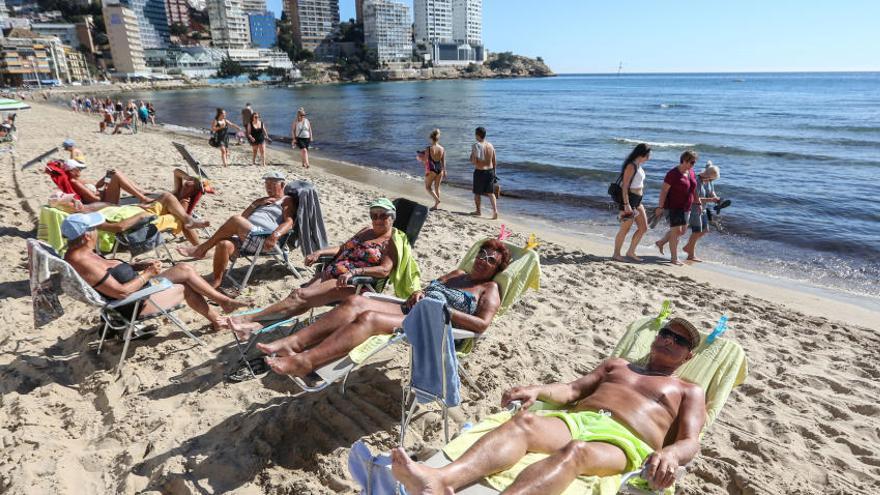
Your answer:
<point x="665" y="332"/>
<point x="379" y="216"/>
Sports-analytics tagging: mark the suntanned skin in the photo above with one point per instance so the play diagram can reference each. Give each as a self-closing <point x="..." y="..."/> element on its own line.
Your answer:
<point x="662" y="410"/>
<point x="320" y="290"/>
<point x="238" y="225"/>
<point x="117" y="183"/>
<point x="348" y="325"/>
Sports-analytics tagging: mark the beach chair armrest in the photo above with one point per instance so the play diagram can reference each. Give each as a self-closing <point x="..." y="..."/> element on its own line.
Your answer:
<point x="459" y="334"/>
<point x="160" y="284"/>
<point x="384" y="298"/>
<point x="260" y="233"/>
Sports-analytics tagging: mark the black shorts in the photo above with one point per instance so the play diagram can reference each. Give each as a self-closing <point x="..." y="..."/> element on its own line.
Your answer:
<point x="303" y="143"/>
<point x="634" y="201"/>
<point x="678" y="217"/>
<point x="484" y="181"/>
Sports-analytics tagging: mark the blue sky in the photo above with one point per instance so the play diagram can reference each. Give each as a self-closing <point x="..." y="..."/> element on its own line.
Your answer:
<point x="682" y="35"/>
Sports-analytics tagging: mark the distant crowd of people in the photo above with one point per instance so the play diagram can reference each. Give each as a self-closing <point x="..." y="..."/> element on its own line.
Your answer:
<point x="116" y="115"/>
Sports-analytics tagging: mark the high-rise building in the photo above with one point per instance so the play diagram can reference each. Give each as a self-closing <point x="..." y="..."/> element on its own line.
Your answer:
<point x="388" y="30"/>
<point x="314" y="22"/>
<point x="467" y="21"/>
<point x="123" y="31"/>
<point x="229" y="24"/>
<point x="177" y="12"/>
<point x="65" y="32"/>
<point x="359" y="11"/>
<point x="152" y="20"/>
<point x="262" y="29"/>
<point x="24" y="60"/>
<point x="253" y="6"/>
<point x="433" y="21"/>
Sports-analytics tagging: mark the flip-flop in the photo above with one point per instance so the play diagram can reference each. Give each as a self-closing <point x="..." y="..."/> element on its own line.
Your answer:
<point x="243" y="373"/>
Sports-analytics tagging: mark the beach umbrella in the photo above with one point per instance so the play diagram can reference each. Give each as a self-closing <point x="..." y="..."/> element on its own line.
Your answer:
<point x="9" y="105"/>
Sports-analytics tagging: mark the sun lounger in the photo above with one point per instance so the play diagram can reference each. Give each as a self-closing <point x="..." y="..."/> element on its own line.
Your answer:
<point x="49" y="272"/>
<point x="190" y="160"/>
<point x="717" y="367"/>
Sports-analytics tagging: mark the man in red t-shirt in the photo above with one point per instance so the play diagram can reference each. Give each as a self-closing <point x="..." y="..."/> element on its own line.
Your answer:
<point x="679" y="192"/>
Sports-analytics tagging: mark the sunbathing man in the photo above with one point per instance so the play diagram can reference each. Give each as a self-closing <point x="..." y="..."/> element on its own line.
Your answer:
<point x="276" y="212"/>
<point x="472" y="297"/>
<point x="623" y="416"/>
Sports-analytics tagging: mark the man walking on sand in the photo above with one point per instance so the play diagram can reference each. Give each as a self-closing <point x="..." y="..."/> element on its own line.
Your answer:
<point x="247" y="113"/>
<point x="483" y="158"/>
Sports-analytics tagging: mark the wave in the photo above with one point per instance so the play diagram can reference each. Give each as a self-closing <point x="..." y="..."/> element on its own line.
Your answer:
<point x="654" y="144"/>
<point x="842" y="128"/>
<point x="673" y="105"/>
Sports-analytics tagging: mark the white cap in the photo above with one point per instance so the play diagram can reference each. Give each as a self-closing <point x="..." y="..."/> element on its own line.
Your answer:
<point x="72" y="164"/>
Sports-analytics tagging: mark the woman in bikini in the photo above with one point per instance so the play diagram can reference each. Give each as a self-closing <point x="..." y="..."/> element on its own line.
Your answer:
<point x="473" y="299"/>
<point x="116" y="279"/>
<point x="435" y="167"/>
<point x="220" y="129"/>
<point x="369" y="253"/>
<point x="257" y="134"/>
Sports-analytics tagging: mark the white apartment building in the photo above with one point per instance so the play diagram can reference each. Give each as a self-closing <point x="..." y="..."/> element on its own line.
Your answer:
<point x="433" y="21"/>
<point x="467" y="21"/>
<point x="387" y="30"/>
<point x="125" y="39"/>
<point x="65" y="32"/>
<point x="229" y="24"/>
<point x="314" y="22"/>
<point x="253" y="6"/>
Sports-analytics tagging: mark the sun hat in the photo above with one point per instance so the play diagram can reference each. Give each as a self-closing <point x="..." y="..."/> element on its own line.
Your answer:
<point x="712" y="171"/>
<point x="273" y="175"/>
<point x="68" y="143"/>
<point x="691" y="329"/>
<point x="72" y="164"/>
<point x="78" y="224"/>
<point x="383" y="203"/>
<point x="301" y="110"/>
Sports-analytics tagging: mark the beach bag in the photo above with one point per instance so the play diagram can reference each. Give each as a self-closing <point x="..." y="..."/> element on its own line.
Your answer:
<point x="615" y="190"/>
<point x="213" y="141"/>
<point x="496" y="185"/>
<point x="142" y="238"/>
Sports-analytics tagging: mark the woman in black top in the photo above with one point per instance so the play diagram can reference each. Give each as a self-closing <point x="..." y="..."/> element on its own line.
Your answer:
<point x="117" y="280"/>
<point x="220" y="130"/>
<point x="435" y="167"/>
<point x="257" y="133"/>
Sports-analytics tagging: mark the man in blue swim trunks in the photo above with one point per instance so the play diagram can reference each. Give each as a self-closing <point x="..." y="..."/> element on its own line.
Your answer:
<point x="622" y="416"/>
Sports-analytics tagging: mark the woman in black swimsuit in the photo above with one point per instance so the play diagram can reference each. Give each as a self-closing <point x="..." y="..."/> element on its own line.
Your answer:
<point x="116" y="280"/>
<point x="220" y="130"/>
<point x="472" y="297"/>
<point x="435" y="167"/>
<point x="257" y="134"/>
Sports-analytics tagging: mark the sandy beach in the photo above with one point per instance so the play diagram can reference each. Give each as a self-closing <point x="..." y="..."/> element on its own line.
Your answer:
<point x="803" y="423"/>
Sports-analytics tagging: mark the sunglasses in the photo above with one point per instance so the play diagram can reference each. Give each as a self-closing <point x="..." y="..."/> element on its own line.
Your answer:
<point x="488" y="258"/>
<point x="679" y="340"/>
<point x="378" y="216"/>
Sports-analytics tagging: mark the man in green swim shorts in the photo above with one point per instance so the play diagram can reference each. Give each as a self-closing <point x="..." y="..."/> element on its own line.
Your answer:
<point x="622" y="417"/>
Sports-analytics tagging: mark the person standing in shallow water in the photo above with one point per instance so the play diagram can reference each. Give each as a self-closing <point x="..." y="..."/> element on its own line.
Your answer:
<point x="483" y="158"/>
<point x="302" y="135"/>
<point x="699" y="219"/>
<point x="435" y="167"/>
<point x="632" y="183"/>
<point x="679" y="192"/>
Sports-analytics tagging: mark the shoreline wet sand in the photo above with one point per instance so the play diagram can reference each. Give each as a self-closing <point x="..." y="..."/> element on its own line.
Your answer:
<point x="803" y="422"/>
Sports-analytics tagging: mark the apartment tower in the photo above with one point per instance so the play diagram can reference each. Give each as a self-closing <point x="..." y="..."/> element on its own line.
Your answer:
<point x="314" y="22"/>
<point x="177" y="12"/>
<point x="467" y="22"/>
<point x="433" y="21"/>
<point x="124" y="34"/>
<point x="388" y="30"/>
<point x="249" y="6"/>
<point x="229" y="24"/>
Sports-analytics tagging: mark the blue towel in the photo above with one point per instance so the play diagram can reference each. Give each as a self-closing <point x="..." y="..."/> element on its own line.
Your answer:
<point x="372" y="472"/>
<point x="435" y="364"/>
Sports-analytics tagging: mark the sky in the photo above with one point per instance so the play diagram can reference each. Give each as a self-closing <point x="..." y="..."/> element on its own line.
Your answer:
<point x="593" y="36"/>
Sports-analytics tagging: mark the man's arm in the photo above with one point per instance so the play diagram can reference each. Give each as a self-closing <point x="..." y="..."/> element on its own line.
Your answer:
<point x="122" y="225"/>
<point x="492" y="159"/>
<point x="288" y="213"/>
<point x="663" y="192"/>
<point x="560" y="393"/>
<point x="662" y="465"/>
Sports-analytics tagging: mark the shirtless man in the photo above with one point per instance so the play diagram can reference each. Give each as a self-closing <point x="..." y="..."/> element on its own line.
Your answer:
<point x="276" y="212"/>
<point x="483" y="158"/>
<point x="107" y="189"/>
<point x="656" y="423"/>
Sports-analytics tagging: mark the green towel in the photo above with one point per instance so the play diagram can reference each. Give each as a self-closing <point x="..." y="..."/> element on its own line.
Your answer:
<point x="405" y="275"/>
<point x="523" y="272"/>
<point x="49" y="228"/>
<point x="718" y="368"/>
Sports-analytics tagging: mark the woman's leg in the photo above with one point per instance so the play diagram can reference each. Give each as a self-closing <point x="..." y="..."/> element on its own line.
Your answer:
<point x="236" y="225"/>
<point x="254" y="148"/>
<point x="641" y="228"/>
<point x="175" y="295"/>
<point x="338" y="343"/>
<point x="263" y="154"/>
<point x="429" y="186"/>
<point x="223" y="155"/>
<point x="185" y="274"/>
<point x="119" y="182"/>
<point x="172" y="206"/>
<point x="223" y="252"/>
<point x="305" y="157"/>
<point x="674" y="234"/>
<point x="620" y="237"/>
<point x="341" y="315"/>
<point x="691" y="247"/>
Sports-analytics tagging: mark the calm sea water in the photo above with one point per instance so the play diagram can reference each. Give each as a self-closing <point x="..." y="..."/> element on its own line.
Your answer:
<point x="799" y="153"/>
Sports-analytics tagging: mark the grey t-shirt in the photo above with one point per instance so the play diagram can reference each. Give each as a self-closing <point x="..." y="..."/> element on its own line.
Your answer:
<point x="267" y="217"/>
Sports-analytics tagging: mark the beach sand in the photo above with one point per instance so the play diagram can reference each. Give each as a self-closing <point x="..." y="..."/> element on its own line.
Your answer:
<point x="804" y="422"/>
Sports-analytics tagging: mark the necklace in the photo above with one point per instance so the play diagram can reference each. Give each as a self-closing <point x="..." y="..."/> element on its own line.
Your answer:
<point x="645" y="371"/>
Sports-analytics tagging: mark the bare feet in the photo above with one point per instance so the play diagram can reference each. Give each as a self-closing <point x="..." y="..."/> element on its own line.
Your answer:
<point x="660" y="245"/>
<point x="634" y="257"/>
<point x="675" y="262"/>
<point x="416" y="478"/>
<point x="190" y="252"/>
<point x="475" y="213"/>
<point x="694" y="259"/>
<point x="295" y="364"/>
<point x="619" y="258"/>
<point x="495" y="216"/>
<point x="435" y="207"/>
<point x="232" y="305"/>
<point x="279" y="347"/>
<point x="243" y="329"/>
<point x="197" y="224"/>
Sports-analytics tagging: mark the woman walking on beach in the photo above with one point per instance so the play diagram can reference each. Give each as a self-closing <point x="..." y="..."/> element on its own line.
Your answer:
<point x="220" y="134"/>
<point x="632" y="183"/>
<point x="699" y="219"/>
<point x="257" y="134"/>
<point x="435" y="167"/>
<point x="301" y="132"/>
<point x="678" y="194"/>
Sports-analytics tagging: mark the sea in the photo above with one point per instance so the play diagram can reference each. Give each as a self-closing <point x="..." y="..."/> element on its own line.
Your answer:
<point x="799" y="153"/>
